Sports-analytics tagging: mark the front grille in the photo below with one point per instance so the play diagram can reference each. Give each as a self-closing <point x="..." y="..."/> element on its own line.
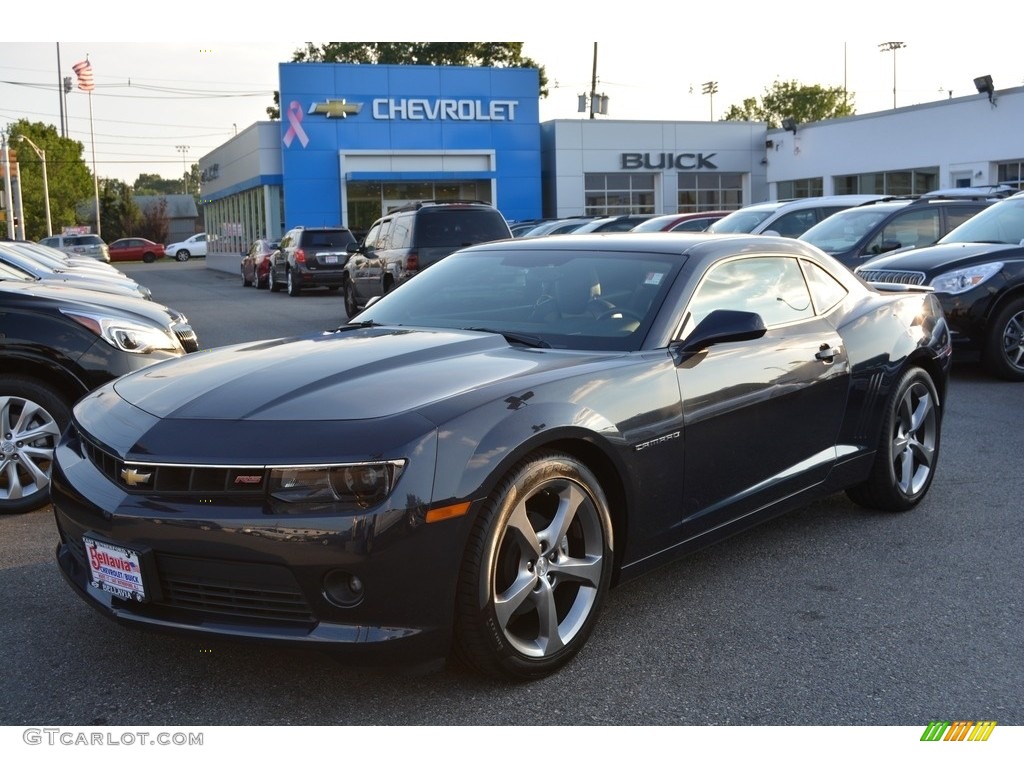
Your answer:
<point x="176" y="479"/>
<point x="187" y="337"/>
<point x="244" y="591"/>
<point x="240" y="590"/>
<point x="891" y="276"/>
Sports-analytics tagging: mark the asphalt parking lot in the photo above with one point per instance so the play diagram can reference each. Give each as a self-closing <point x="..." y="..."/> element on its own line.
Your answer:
<point x="830" y="615"/>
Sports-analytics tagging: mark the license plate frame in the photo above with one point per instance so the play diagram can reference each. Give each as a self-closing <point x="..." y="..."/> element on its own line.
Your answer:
<point x="125" y="572"/>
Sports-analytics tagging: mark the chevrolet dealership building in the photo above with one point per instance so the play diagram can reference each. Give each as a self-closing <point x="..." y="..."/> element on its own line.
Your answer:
<point x="355" y="141"/>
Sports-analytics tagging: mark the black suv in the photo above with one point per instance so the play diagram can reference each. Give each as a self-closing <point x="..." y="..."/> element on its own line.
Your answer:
<point x="310" y="257"/>
<point x="57" y="344"/>
<point x="889" y="224"/>
<point x="977" y="272"/>
<point x="410" y="239"/>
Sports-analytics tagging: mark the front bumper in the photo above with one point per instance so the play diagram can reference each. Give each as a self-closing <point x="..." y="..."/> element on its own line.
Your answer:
<point x="225" y="567"/>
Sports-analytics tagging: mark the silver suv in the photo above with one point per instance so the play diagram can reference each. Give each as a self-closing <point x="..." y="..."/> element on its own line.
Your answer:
<point x="789" y="218"/>
<point x="84" y="245"/>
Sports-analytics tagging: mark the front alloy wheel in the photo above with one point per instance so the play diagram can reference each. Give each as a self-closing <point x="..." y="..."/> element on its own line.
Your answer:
<point x="536" y="569"/>
<point x="32" y="416"/>
<point x="1004" y="350"/>
<point x="293" y="285"/>
<point x="182" y="255"/>
<point x="908" y="449"/>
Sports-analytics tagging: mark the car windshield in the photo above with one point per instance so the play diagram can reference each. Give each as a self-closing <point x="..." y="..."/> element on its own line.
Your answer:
<point x="562" y="299"/>
<point x="843" y="230"/>
<point x="1002" y="222"/>
<point x="741" y="221"/>
<point x="14" y="275"/>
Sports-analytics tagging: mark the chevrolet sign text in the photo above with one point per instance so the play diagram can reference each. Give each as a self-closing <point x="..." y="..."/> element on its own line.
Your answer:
<point x="444" y="109"/>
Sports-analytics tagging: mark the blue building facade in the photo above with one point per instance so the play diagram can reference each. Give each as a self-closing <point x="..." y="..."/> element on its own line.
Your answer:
<point x="360" y="140"/>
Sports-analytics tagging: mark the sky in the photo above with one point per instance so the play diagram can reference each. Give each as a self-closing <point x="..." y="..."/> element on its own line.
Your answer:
<point x="185" y="91"/>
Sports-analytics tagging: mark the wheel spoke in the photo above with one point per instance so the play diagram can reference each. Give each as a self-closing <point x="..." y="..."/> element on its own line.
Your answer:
<point x="519" y="523"/>
<point x="586" y="570"/>
<point x="569" y="502"/>
<point x="14" y="490"/>
<point x="549" y="638"/>
<point x="920" y="413"/>
<point x="508" y="602"/>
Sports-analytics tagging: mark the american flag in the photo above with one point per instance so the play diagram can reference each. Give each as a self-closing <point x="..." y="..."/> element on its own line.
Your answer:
<point x="84" y="71"/>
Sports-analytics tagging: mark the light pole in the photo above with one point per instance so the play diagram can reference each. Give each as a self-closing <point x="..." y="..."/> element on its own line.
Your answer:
<point x="710" y="89"/>
<point x="893" y="46"/>
<point x="183" y="148"/>
<point x="46" y="183"/>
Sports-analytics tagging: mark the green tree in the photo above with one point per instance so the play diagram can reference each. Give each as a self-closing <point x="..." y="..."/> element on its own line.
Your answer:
<point x="69" y="178"/>
<point x="803" y="103"/>
<point x="119" y="213"/>
<point x="155" y="224"/>
<point x="156" y="185"/>
<point x="437" y="54"/>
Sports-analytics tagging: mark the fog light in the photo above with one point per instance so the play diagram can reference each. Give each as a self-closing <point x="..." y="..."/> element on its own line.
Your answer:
<point x="344" y="589"/>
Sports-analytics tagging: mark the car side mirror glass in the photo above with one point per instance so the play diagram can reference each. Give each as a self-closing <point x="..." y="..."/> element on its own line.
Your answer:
<point x="720" y="327"/>
<point x="352" y="248"/>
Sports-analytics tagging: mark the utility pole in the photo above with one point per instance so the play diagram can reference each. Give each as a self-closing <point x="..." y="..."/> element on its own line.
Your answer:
<point x="710" y="89"/>
<point x="183" y="148"/>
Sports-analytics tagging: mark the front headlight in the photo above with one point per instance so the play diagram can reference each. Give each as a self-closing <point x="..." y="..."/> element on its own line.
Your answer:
<point x="127" y="335"/>
<point x="961" y="280"/>
<point x="353" y="486"/>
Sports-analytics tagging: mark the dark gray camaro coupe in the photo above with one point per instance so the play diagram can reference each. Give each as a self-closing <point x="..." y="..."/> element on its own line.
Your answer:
<point x="477" y="457"/>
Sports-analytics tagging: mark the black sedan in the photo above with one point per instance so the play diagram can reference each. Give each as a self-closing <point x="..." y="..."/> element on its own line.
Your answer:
<point x="477" y="457"/>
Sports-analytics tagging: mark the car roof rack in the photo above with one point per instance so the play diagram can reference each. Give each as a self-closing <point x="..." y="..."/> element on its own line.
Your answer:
<point x="424" y="203"/>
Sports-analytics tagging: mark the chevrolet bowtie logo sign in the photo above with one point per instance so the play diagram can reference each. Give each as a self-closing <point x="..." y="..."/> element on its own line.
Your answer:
<point x="334" y="108"/>
<point x="133" y="477"/>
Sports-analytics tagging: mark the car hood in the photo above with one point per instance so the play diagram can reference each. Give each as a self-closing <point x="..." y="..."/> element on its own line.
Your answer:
<point x="69" y="297"/>
<point x="352" y="373"/>
<point x="937" y="259"/>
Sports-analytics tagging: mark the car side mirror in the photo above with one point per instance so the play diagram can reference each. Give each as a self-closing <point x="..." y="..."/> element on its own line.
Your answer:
<point x="353" y="248"/>
<point x="889" y="245"/>
<point x="720" y="327"/>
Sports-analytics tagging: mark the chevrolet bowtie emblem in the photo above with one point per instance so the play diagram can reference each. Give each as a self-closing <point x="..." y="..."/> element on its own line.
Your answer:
<point x="133" y="477"/>
<point x="334" y="108"/>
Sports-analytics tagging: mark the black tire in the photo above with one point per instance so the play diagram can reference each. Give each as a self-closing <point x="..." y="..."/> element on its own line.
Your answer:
<point x="272" y="284"/>
<point x="536" y="570"/>
<point x="351" y="304"/>
<point x="182" y="255"/>
<point x="149" y="258"/>
<point x="1003" y="356"/>
<point x="261" y="283"/>
<point x="246" y="282"/>
<point x="908" y="448"/>
<point x="293" y="286"/>
<point x="28" y="406"/>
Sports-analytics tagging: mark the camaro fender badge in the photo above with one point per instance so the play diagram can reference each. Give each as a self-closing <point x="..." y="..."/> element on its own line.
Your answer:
<point x="131" y="476"/>
<point x="656" y="441"/>
<point x="334" y="108"/>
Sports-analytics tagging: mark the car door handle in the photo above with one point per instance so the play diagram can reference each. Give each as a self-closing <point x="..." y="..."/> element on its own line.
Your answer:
<point x="827" y="353"/>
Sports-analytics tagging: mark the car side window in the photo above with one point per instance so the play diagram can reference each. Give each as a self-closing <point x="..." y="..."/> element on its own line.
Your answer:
<point x="794" y="223"/>
<point x="400" y="232"/>
<point x="370" y="241"/>
<point x="911" y="229"/>
<point x="771" y="286"/>
<point x="825" y="289"/>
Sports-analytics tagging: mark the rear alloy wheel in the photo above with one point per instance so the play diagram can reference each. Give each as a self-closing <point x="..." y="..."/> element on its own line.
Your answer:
<point x="537" y="568"/>
<point x="351" y="306"/>
<point x="32" y="417"/>
<point x="1004" y="349"/>
<point x="182" y="255"/>
<point x="149" y="258"/>
<point x="908" y="448"/>
<point x="293" y="286"/>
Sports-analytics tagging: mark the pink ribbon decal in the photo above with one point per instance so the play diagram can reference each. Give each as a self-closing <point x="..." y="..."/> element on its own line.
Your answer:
<point x="295" y="123"/>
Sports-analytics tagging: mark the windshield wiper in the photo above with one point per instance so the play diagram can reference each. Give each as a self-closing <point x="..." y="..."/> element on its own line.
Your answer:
<point x="512" y="337"/>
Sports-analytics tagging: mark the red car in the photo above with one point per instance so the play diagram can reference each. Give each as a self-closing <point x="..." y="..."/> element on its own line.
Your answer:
<point x="680" y="222"/>
<point x="256" y="262"/>
<point x="136" y="248"/>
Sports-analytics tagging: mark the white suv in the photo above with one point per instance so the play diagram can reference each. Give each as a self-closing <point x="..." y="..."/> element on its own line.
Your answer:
<point x="789" y="218"/>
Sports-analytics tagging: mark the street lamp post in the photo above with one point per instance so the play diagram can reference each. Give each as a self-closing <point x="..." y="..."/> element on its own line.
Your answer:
<point x="184" y="166"/>
<point x="893" y="46"/>
<point x="46" y="183"/>
<point x="710" y="88"/>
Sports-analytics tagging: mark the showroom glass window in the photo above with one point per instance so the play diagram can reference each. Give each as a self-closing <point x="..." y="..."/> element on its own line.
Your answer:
<point x="914" y="181"/>
<point x="791" y="190"/>
<point x="771" y="286"/>
<point x="708" y="192"/>
<point x="1011" y="173"/>
<point x="614" y="194"/>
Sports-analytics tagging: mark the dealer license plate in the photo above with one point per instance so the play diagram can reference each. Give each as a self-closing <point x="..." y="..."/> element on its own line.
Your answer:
<point x="115" y="569"/>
